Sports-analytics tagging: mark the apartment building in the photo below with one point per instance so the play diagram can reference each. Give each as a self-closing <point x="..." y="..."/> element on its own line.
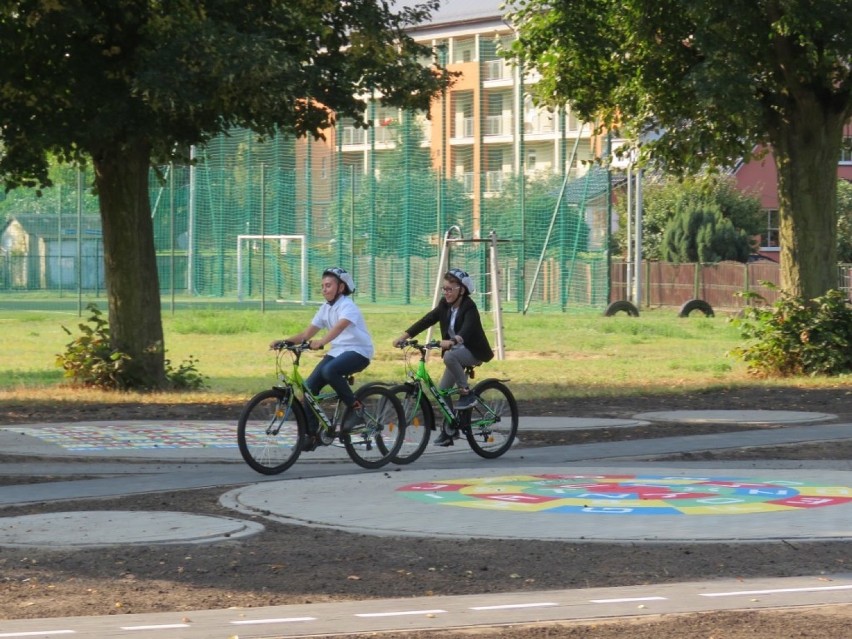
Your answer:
<point x="484" y="130"/>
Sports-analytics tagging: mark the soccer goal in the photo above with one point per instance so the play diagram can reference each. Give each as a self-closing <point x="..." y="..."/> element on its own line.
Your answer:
<point x="272" y="266"/>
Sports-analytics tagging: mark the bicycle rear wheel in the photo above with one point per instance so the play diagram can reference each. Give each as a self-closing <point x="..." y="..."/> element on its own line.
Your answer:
<point x="419" y="422"/>
<point x="493" y="419"/>
<point x="270" y="431"/>
<point x="375" y="442"/>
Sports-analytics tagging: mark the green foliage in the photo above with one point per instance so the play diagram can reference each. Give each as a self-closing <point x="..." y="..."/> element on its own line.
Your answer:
<point x="700" y="77"/>
<point x="670" y="198"/>
<point x="705" y="84"/>
<point x="128" y="82"/>
<point x="540" y="199"/>
<point x="107" y="71"/>
<point x="406" y="189"/>
<point x="699" y="233"/>
<point x="90" y="360"/>
<point x="798" y="337"/>
<point x="186" y="377"/>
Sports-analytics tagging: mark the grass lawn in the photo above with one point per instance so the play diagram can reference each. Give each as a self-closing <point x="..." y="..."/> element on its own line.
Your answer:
<point x="546" y="355"/>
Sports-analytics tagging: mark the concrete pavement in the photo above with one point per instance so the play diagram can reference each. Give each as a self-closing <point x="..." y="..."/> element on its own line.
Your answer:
<point x="594" y="492"/>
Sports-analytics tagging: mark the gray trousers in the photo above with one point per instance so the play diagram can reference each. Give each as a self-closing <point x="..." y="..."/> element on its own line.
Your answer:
<point x="455" y="360"/>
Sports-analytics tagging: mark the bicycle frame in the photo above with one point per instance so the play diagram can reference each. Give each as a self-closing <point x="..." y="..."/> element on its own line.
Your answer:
<point x="295" y="381"/>
<point x="421" y="377"/>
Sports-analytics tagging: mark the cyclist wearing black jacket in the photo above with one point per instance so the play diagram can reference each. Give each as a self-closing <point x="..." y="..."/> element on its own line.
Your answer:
<point x="463" y="340"/>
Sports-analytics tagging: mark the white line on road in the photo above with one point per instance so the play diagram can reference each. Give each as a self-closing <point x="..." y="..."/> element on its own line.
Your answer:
<point x="400" y="613"/>
<point x="773" y="592"/>
<point x="38" y="633"/>
<point x="249" y="622"/>
<point x="165" y="626"/>
<point x="511" y="606"/>
<point x="628" y="599"/>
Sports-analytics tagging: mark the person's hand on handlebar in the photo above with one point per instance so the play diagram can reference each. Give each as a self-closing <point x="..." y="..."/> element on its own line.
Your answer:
<point x="278" y="344"/>
<point x="316" y="345"/>
<point x="399" y="341"/>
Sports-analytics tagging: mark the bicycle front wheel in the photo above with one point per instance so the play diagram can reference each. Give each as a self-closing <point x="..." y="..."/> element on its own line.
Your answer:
<point x="419" y="422"/>
<point x="373" y="443"/>
<point x="270" y="431"/>
<point x="493" y="419"/>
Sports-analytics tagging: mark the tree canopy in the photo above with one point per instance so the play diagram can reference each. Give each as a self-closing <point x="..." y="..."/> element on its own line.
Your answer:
<point x="125" y="82"/>
<point x="667" y="199"/>
<point x="704" y="83"/>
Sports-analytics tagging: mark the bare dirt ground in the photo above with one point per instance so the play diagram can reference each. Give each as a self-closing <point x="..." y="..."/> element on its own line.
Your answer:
<point x="290" y="564"/>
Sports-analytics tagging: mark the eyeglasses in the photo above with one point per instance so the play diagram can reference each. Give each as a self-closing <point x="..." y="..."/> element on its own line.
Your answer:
<point x="449" y="289"/>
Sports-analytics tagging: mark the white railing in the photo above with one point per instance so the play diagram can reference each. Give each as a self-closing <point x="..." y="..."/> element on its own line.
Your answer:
<point x="494" y="181"/>
<point x="465" y="130"/>
<point x="495" y="70"/>
<point x="539" y="123"/>
<point x="352" y="136"/>
<point x="493" y="125"/>
<point x="467" y="182"/>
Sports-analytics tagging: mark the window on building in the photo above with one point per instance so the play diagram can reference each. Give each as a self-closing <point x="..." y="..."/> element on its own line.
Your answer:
<point x="771" y="238"/>
<point x="846" y="151"/>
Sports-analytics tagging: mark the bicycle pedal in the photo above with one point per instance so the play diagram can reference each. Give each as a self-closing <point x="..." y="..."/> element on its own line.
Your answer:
<point x="309" y="443"/>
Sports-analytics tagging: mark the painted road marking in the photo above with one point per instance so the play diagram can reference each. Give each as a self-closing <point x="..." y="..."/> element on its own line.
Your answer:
<point x="543" y="604"/>
<point x="165" y="626"/>
<point x="628" y="494"/>
<point x="773" y="592"/>
<point x="628" y="600"/>
<point x="400" y="613"/>
<point x="38" y="633"/>
<point x="250" y="622"/>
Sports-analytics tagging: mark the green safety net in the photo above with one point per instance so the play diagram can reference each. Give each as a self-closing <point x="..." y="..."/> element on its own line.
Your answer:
<point x="254" y="221"/>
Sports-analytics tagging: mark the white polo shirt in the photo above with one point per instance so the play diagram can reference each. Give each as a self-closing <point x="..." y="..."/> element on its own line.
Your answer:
<point x="354" y="337"/>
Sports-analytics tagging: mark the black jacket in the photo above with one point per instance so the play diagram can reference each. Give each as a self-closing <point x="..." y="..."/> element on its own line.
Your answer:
<point x="468" y="325"/>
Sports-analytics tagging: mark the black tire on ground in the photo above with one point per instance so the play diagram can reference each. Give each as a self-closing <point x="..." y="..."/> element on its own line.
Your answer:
<point x="621" y="306"/>
<point x="375" y="443"/>
<point x="492" y="423"/>
<point x="270" y="431"/>
<point x="696" y="305"/>
<point x="419" y="422"/>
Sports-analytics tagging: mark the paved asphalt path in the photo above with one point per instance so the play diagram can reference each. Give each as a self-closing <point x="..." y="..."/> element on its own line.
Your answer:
<point x="510" y="497"/>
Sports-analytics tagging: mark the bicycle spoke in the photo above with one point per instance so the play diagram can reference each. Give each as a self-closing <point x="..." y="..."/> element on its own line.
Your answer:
<point x="268" y="433"/>
<point x="373" y="443"/>
<point x="493" y="420"/>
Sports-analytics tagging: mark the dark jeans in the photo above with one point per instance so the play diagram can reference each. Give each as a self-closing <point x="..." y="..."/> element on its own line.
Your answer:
<point x="333" y="371"/>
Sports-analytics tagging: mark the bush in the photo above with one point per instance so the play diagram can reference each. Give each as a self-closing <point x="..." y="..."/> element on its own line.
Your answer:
<point x="90" y="360"/>
<point x="797" y="336"/>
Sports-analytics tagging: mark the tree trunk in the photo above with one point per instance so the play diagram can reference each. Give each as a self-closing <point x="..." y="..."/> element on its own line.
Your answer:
<point x="132" y="283"/>
<point x="807" y="150"/>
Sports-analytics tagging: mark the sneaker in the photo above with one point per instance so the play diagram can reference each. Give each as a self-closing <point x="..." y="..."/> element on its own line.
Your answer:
<point x="446" y="439"/>
<point x="465" y="401"/>
<point x="354" y="419"/>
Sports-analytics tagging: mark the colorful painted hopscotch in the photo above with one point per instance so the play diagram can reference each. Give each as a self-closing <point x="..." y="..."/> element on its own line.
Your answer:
<point x="628" y="494"/>
<point x="136" y="436"/>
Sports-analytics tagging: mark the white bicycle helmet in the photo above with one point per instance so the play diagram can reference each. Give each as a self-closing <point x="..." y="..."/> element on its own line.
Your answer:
<point x="464" y="278"/>
<point x="343" y="276"/>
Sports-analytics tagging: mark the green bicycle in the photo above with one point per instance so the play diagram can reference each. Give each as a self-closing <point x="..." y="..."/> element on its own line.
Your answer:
<point x="490" y="426"/>
<point x="273" y="428"/>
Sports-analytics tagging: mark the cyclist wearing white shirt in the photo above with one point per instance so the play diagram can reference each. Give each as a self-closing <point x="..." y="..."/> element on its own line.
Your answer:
<point x="351" y="345"/>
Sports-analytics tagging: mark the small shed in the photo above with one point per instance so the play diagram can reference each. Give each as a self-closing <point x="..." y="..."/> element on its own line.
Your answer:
<point x="43" y="251"/>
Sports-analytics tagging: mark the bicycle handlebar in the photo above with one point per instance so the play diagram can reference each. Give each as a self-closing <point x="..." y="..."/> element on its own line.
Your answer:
<point x="413" y="343"/>
<point x="284" y="345"/>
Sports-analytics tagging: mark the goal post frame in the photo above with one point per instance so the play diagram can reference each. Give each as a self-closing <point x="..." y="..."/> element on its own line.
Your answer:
<point x="303" y="261"/>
